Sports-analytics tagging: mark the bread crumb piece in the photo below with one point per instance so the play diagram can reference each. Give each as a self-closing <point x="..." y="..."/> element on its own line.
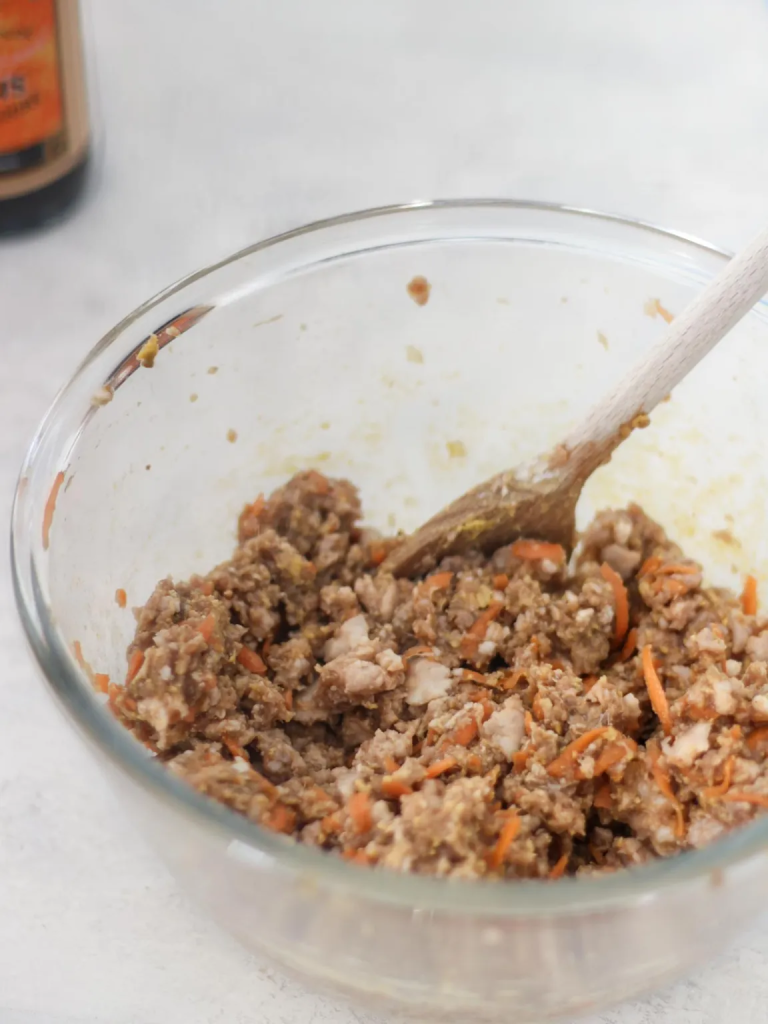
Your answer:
<point x="456" y="449"/>
<point x="231" y="435"/>
<point x="603" y="340"/>
<point x="148" y="352"/>
<point x="213" y="369"/>
<point x="419" y="289"/>
<point x="413" y="354"/>
<point x="102" y="396"/>
<point x="193" y="397"/>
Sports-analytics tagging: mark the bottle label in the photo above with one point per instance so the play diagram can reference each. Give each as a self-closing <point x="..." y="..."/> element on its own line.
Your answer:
<point x="43" y="120"/>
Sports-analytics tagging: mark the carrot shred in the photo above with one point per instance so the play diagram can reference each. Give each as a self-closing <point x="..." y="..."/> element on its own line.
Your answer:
<point x="391" y="764"/>
<point x="738" y="796"/>
<point x="121" y="597"/>
<point x="620" y="602"/>
<point x="235" y="749"/>
<point x="331" y="823"/>
<point x="50" y="508"/>
<point x="77" y="650"/>
<point x="135" y="662"/>
<point x="610" y="756"/>
<point x="251" y="661"/>
<point x="288" y="698"/>
<point x="602" y="798"/>
<point x="378" y="553"/>
<point x="468" y="676"/>
<point x="520" y="760"/>
<point x="749" y="596"/>
<point x="280" y="819"/>
<point x="757" y="737"/>
<point x="359" y="807"/>
<point x="656" y="690"/>
<point x="257" y="506"/>
<point x="421" y="651"/>
<point x="507" y="836"/>
<point x="510" y="682"/>
<point x="474" y="764"/>
<point x="528" y="719"/>
<point x="722" y="787"/>
<point x="438" y="581"/>
<point x="537" y="550"/>
<point x="650" y="566"/>
<point x="663" y="781"/>
<point x="558" y="869"/>
<point x="394" y="788"/>
<point x="500" y="581"/>
<point x="464" y="735"/>
<point x="207" y="627"/>
<point x="474" y="635"/>
<point x="101" y="682"/>
<point x="564" y="762"/>
<point x="356" y="857"/>
<point x="445" y="764"/>
<point x="630" y="645"/>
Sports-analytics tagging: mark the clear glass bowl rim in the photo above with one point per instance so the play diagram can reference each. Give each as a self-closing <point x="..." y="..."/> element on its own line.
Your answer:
<point x="518" y="899"/>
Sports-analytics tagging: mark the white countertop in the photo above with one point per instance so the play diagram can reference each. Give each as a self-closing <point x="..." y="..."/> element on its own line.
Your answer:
<point x="222" y="123"/>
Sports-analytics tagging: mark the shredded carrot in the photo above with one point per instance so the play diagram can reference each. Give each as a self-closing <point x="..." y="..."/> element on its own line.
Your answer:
<point x="474" y="763"/>
<point x="510" y="682"/>
<point x="650" y="566"/>
<point x="207" y="627"/>
<point x="715" y="792"/>
<point x="394" y="788"/>
<point x="378" y="553"/>
<point x="671" y="587"/>
<point x="588" y="682"/>
<point x="528" y="719"/>
<point x="757" y="737"/>
<point x="280" y="819"/>
<point x="50" y="508"/>
<point x="465" y="733"/>
<point x="501" y="581"/>
<point x="675" y="568"/>
<point x="611" y="755"/>
<point x="565" y="761"/>
<point x="630" y="645"/>
<point x="288" y="698"/>
<point x="737" y="733"/>
<point x="418" y="652"/>
<point x="251" y="661"/>
<point x="439" y="581"/>
<point x="440" y="767"/>
<point x="738" y="796"/>
<point x="101" y="682"/>
<point x="474" y="635"/>
<point x="559" y="868"/>
<point x="603" y="796"/>
<point x="77" y="650"/>
<point x="356" y="857"/>
<point x="135" y="662"/>
<point x="749" y="596"/>
<point x="121" y="597"/>
<point x="331" y="823"/>
<point x="391" y="764"/>
<point x="520" y="760"/>
<point x="620" y="601"/>
<point x="656" y="690"/>
<point x="258" y="505"/>
<point x="468" y="676"/>
<point x="663" y="781"/>
<point x="507" y="836"/>
<point x="235" y="749"/>
<point x="359" y="807"/>
<point x="537" y="550"/>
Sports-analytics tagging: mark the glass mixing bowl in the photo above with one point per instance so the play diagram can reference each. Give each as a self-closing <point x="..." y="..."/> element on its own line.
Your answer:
<point x="307" y="350"/>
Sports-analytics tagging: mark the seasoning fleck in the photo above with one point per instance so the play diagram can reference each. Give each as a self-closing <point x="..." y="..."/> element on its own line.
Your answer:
<point x="231" y="435"/>
<point x="456" y="449"/>
<point x="419" y="289"/>
<point x="213" y="369"/>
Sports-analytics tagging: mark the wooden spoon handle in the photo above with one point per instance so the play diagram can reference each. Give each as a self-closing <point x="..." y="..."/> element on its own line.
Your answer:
<point x="707" y="319"/>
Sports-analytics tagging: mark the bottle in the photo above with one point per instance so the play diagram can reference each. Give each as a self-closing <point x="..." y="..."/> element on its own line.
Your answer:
<point x="44" y="129"/>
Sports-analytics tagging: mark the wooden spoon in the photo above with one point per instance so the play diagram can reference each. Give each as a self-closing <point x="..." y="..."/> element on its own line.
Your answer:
<point x="539" y="499"/>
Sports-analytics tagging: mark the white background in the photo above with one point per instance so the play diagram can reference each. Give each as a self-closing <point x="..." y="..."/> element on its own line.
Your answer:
<point x="222" y="121"/>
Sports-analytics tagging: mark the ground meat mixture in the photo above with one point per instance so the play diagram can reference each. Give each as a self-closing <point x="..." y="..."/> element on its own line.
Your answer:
<point x="512" y="716"/>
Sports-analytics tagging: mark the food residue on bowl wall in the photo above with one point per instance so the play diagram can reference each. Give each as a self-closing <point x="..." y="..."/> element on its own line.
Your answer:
<point x="231" y="435"/>
<point x="654" y="308"/>
<point x="148" y="352"/>
<point x="602" y="340"/>
<point x="419" y="288"/>
<point x="456" y="449"/>
<point x="50" y="508"/>
<point x="413" y="354"/>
